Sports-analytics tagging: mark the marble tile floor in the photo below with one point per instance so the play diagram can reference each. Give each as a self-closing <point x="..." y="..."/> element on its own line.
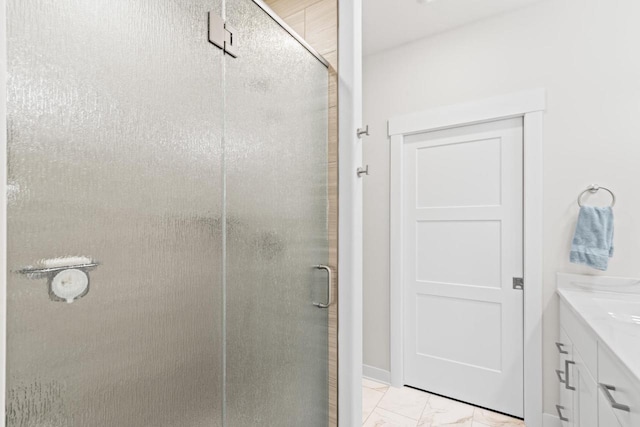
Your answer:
<point x="387" y="406"/>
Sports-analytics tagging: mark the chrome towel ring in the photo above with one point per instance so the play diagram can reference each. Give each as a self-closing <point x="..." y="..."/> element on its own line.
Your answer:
<point x="594" y="189"/>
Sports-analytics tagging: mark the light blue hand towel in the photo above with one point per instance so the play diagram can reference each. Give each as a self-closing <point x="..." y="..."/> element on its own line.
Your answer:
<point x="593" y="240"/>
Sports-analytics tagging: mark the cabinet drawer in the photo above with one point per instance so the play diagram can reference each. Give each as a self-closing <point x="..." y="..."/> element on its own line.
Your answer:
<point x="606" y="417"/>
<point x="585" y="402"/>
<point x="581" y="338"/>
<point x="623" y="389"/>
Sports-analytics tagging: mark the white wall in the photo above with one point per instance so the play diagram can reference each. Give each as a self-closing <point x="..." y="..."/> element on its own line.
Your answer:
<point x="586" y="53"/>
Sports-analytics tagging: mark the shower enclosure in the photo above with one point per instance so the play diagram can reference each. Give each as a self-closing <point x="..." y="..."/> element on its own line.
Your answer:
<point x="167" y="217"/>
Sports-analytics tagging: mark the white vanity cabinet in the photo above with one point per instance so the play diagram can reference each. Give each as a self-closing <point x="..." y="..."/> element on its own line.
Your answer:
<point x="606" y="417"/>
<point x="564" y="407"/>
<point x="598" y="358"/>
<point x="619" y="392"/>
<point x="585" y="394"/>
<point x="578" y="405"/>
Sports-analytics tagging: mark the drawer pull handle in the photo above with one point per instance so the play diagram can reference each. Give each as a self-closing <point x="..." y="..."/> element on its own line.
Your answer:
<point x="560" y="345"/>
<point x="559" y="374"/>
<point x="566" y="373"/>
<point x="607" y="389"/>
<point x="559" y="408"/>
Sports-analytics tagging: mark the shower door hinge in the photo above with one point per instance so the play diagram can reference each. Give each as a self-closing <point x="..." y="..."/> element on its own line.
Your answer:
<point x="518" y="283"/>
<point x="222" y="35"/>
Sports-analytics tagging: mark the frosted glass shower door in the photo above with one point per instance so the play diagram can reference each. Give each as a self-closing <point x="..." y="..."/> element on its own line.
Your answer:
<point x="167" y="211"/>
<point x="276" y="105"/>
<point x="115" y="130"/>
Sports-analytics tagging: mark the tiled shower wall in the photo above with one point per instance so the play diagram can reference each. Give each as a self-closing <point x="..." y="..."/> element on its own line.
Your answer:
<point x="315" y="20"/>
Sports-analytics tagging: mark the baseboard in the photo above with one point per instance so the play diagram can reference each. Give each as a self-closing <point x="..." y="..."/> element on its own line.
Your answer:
<point x="549" y="420"/>
<point x="376" y="374"/>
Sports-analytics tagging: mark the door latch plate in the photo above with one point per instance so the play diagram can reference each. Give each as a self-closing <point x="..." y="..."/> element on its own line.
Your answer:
<point x="518" y="283"/>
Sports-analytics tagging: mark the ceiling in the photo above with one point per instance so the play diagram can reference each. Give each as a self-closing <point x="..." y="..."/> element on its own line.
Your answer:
<point x="390" y="23"/>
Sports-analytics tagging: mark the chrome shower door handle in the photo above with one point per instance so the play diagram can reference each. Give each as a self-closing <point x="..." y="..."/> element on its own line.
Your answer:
<point x="329" y="282"/>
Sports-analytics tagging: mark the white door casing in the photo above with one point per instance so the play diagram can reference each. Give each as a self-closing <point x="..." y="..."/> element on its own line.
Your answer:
<point x="350" y="214"/>
<point x="463" y="247"/>
<point x="530" y="106"/>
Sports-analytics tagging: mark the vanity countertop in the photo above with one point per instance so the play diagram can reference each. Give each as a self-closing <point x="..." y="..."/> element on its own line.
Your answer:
<point x="610" y="307"/>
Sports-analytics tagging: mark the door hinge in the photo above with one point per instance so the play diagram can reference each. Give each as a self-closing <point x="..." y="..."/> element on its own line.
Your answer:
<point x="222" y="35"/>
<point x="518" y="283"/>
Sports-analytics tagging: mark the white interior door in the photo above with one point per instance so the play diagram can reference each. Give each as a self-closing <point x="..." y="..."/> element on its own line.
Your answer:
<point x="462" y="238"/>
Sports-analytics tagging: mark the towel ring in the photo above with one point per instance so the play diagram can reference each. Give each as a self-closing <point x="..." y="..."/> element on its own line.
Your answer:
<point x="594" y="189"/>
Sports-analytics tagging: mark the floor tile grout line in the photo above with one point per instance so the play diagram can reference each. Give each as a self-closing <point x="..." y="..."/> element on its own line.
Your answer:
<point x="399" y="414"/>
<point x="425" y="408"/>
<point x="403" y="415"/>
<point x="376" y="405"/>
<point x="393" y="412"/>
<point x="370" y="413"/>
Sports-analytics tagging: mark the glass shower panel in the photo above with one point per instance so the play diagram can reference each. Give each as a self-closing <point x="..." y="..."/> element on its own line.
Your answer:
<point x="276" y="105"/>
<point x="115" y="130"/>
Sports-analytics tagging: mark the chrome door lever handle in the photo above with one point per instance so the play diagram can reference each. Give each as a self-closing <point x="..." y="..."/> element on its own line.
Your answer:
<point x="330" y="282"/>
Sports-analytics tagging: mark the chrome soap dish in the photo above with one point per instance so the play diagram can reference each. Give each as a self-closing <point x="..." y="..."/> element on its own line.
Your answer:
<point x="67" y="277"/>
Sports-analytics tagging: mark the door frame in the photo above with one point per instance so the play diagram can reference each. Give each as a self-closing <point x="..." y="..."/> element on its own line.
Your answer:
<point x="529" y="105"/>
<point x="350" y="207"/>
